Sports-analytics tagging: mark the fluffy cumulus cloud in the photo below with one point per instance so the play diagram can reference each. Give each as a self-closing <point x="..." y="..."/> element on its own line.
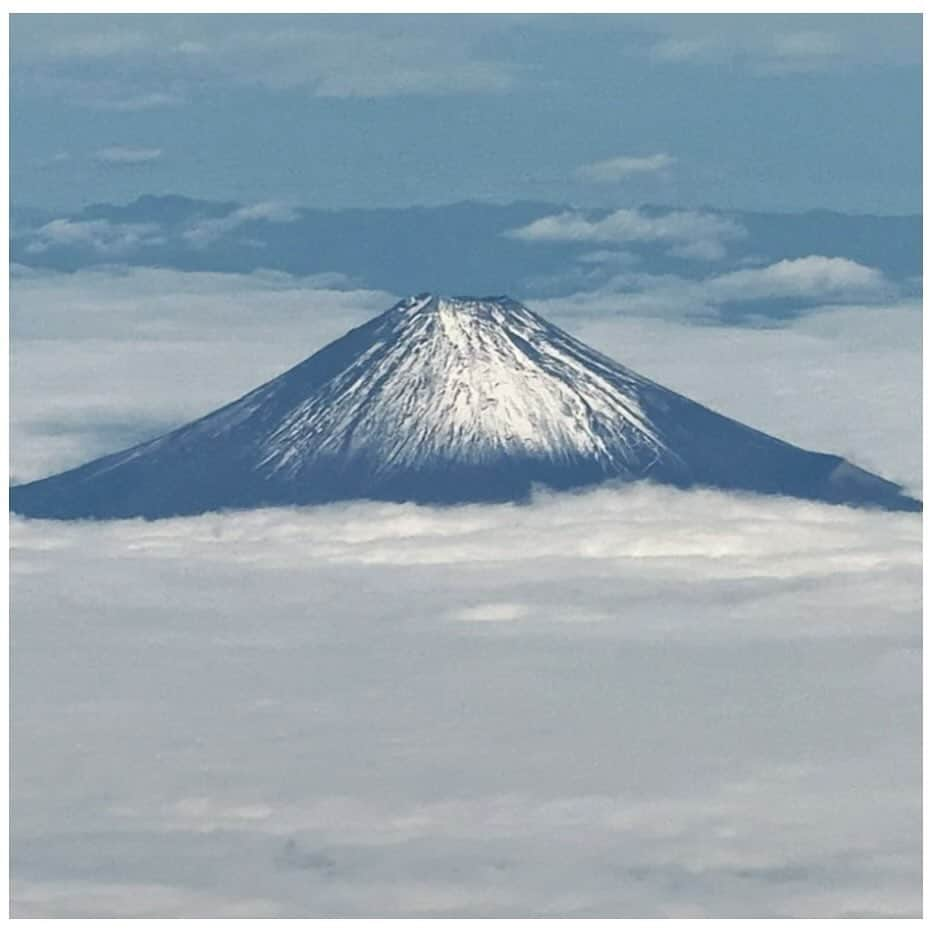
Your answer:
<point x="801" y="284"/>
<point x="808" y="277"/>
<point x="689" y="233"/>
<point x="624" y="702"/>
<point x="624" y="166"/>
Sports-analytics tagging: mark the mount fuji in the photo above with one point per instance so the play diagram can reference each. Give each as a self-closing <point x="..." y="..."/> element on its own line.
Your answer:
<point x="445" y="400"/>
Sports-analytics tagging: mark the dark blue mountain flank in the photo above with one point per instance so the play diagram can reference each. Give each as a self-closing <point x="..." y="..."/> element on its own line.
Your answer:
<point x="445" y="400"/>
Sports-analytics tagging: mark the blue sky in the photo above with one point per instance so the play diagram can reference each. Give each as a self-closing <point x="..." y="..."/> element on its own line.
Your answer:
<point x="762" y="112"/>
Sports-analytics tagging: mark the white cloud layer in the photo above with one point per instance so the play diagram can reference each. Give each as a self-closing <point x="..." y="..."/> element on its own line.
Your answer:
<point x="104" y="358"/>
<point x="633" y="702"/>
<point x="629" y="702"/>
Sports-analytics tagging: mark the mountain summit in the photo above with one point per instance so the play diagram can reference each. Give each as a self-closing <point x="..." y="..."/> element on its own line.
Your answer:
<point x="445" y="400"/>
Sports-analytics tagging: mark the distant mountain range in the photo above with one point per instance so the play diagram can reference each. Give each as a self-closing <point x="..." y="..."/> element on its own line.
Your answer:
<point x="460" y="248"/>
<point x="445" y="400"/>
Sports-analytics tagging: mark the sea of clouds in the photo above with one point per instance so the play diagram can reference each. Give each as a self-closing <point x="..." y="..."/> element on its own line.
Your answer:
<point x="631" y="701"/>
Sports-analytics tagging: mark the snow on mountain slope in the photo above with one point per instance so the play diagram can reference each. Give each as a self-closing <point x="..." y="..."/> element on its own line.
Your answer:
<point x="469" y="381"/>
<point x="444" y="400"/>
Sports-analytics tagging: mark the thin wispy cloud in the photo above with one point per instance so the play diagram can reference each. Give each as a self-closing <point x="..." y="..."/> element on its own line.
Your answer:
<point x="776" y="52"/>
<point x="624" y="166"/>
<point x="154" y="100"/>
<point x="206" y="232"/>
<point x="338" y="63"/>
<point x="527" y="88"/>
<point x="337" y="59"/>
<point x="106" y="43"/>
<point x="809" y="47"/>
<point x="127" y="155"/>
<point x="100" y="236"/>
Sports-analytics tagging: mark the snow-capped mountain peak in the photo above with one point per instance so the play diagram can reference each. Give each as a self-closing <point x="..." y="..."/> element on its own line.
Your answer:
<point x="467" y="380"/>
<point x="444" y="399"/>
